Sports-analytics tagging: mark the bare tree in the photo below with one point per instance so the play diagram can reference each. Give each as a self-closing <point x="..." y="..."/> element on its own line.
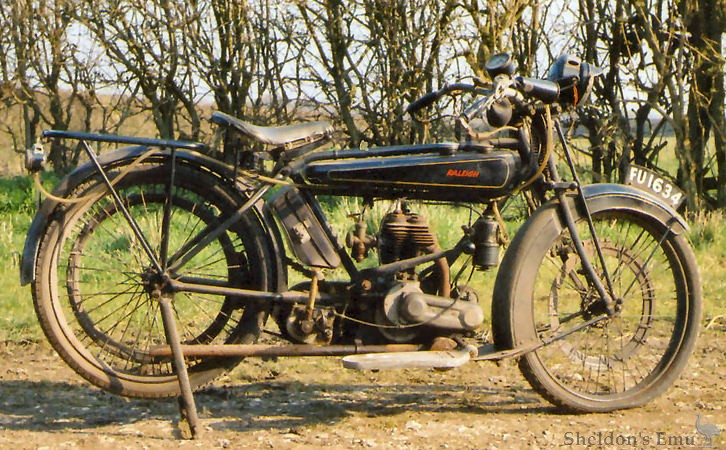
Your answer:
<point x="145" y="43"/>
<point x="495" y="23"/>
<point x="405" y="52"/>
<point x="17" y="21"/>
<point x="50" y="62"/>
<point x="37" y="76"/>
<point x="704" y="21"/>
<point x="372" y="57"/>
<point x="241" y="52"/>
<point x="668" y="46"/>
<point x="360" y="63"/>
<point x="8" y="87"/>
<point x="658" y="80"/>
<point x="608" y="132"/>
<point x="329" y="62"/>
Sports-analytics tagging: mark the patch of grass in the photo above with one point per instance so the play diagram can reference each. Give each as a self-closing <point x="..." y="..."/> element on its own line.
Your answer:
<point x="708" y="235"/>
<point x="18" y="203"/>
<point x="17" y="195"/>
<point x="708" y="230"/>
<point x="17" y="322"/>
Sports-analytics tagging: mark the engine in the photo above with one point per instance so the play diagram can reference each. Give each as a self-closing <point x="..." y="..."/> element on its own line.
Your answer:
<point x="406" y="311"/>
<point x="413" y="302"/>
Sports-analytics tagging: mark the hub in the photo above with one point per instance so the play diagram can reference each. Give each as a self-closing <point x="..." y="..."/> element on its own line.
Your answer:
<point x="154" y="283"/>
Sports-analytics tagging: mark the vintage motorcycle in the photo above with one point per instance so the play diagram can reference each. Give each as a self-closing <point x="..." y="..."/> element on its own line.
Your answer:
<point x="154" y="268"/>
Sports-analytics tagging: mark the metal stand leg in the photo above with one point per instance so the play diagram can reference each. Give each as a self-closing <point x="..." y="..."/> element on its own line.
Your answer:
<point x="187" y="406"/>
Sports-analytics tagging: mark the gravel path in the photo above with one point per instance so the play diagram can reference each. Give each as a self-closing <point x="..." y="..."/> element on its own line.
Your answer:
<point x="314" y="403"/>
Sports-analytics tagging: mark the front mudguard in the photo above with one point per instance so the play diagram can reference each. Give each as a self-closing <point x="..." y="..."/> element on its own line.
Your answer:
<point x="546" y="223"/>
<point x="125" y="156"/>
<point x="630" y="198"/>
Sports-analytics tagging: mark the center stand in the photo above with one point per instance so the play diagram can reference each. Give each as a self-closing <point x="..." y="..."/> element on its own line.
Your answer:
<point x="187" y="406"/>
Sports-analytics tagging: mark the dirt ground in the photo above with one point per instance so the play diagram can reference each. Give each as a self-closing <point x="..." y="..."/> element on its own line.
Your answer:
<point x="315" y="403"/>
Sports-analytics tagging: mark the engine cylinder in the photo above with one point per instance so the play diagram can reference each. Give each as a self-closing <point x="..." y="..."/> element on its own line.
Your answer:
<point x="404" y="236"/>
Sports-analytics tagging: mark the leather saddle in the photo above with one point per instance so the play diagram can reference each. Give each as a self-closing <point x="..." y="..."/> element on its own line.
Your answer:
<point x="283" y="136"/>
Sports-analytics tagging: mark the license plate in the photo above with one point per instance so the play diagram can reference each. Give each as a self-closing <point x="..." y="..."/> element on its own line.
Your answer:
<point x="655" y="184"/>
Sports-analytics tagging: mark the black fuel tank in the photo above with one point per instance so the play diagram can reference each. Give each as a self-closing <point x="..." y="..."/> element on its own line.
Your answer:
<point x="464" y="176"/>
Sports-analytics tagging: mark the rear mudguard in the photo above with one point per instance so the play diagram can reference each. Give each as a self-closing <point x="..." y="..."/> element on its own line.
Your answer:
<point x="546" y="223"/>
<point x="123" y="156"/>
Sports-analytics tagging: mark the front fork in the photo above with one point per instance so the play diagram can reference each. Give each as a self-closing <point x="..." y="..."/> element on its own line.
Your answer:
<point x="605" y="291"/>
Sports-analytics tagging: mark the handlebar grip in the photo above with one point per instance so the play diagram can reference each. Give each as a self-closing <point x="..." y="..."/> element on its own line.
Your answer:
<point x="545" y="90"/>
<point x="427" y="99"/>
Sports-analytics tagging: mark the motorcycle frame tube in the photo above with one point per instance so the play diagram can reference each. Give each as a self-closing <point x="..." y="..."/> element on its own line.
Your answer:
<point x="570" y="224"/>
<point x="123" y="156"/>
<point x="293" y="169"/>
<point x="350" y="267"/>
<point x="200" y="241"/>
<point x="121" y="207"/>
<point x="203" y="287"/>
<point x="204" y="237"/>
<point x="207" y="236"/>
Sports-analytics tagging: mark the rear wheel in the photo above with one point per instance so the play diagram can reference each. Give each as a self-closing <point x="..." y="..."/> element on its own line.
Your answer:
<point x="94" y="283"/>
<point x="620" y="361"/>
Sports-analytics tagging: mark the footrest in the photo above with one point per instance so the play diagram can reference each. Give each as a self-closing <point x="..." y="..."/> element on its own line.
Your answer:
<point x="403" y="360"/>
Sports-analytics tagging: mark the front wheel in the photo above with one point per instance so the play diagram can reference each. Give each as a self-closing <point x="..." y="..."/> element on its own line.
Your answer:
<point x="619" y="361"/>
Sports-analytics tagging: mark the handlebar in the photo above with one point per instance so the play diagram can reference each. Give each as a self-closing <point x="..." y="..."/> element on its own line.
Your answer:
<point x="498" y="103"/>
<point x="544" y="90"/>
